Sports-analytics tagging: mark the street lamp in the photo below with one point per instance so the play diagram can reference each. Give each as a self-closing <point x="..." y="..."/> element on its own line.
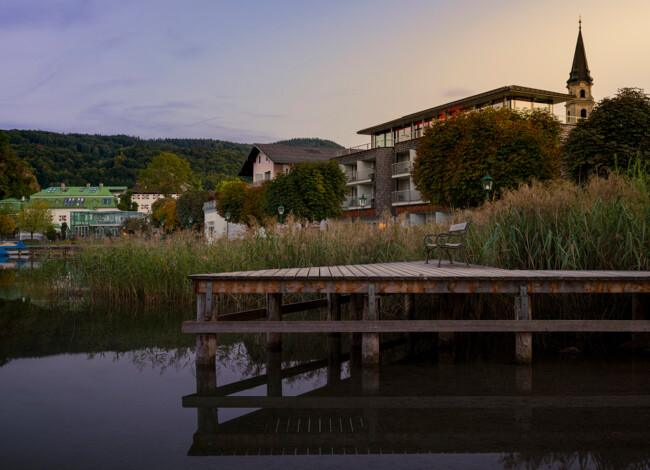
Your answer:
<point x="190" y="219"/>
<point x="281" y="212"/>
<point x="487" y="182"/>
<point x="227" y="222"/>
<point x="362" y="203"/>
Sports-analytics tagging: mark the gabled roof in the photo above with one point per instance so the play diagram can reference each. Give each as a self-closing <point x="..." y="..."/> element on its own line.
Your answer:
<point x="580" y="69"/>
<point x="285" y="155"/>
<point x="481" y="98"/>
<point x="73" y="191"/>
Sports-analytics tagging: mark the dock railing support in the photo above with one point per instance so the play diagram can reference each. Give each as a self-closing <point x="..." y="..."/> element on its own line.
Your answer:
<point x="274" y="313"/>
<point x="370" y="341"/>
<point x="523" y="341"/>
<point x="206" y="343"/>
<point x="333" y="340"/>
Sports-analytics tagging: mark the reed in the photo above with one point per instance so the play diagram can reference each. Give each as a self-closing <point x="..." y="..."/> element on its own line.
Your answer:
<point x="558" y="225"/>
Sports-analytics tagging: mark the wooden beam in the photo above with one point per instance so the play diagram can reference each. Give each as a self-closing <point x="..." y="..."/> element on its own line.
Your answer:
<point x="385" y="326"/>
<point x="394" y="402"/>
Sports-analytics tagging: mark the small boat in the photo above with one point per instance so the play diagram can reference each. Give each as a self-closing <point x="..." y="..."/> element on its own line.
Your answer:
<point x="14" y="249"/>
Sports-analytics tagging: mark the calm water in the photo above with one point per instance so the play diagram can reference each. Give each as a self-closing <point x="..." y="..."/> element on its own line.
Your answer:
<point x="83" y="389"/>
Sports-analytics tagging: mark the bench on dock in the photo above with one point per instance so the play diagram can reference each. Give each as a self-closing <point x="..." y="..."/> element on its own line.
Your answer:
<point x="453" y="239"/>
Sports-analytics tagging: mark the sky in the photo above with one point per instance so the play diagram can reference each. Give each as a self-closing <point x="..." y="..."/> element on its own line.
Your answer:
<point x="258" y="71"/>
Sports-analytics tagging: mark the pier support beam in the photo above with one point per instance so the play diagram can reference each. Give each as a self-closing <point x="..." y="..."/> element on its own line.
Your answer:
<point x="273" y="373"/>
<point x="206" y="343"/>
<point x="641" y="311"/>
<point x="333" y="340"/>
<point x="370" y="341"/>
<point x="274" y="313"/>
<point x="356" y="313"/>
<point x="523" y="341"/>
<point x="409" y="314"/>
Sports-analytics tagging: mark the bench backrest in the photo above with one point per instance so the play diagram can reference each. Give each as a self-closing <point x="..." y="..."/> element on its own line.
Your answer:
<point x="459" y="227"/>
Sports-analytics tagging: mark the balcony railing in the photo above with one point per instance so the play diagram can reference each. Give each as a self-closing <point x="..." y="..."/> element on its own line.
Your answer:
<point x="402" y="168"/>
<point x="360" y="175"/>
<point x="407" y="197"/>
<point x="352" y="202"/>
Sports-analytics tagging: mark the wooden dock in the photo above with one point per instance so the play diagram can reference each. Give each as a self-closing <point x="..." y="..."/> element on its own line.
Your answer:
<point x="361" y="285"/>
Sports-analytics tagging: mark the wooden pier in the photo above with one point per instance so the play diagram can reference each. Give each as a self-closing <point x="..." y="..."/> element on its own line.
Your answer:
<point x="362" y="285"/>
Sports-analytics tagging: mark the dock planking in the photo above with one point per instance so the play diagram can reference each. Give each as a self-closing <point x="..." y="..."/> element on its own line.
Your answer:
<point x="417" y="277"/>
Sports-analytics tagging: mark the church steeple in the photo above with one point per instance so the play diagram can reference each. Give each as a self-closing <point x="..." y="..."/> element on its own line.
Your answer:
<point x="580" y="69"/>
<point x="579" y="84"/>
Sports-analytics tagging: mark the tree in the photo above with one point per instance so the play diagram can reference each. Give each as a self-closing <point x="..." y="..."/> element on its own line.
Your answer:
<point x="35" y="217"/>
<point x="64" y="230"/>
<point x="168" y="215"/>
<point x="167" y="174"/>
<point x="157" y="215"/>
<point x="455" y="153"/>
<point x="7" y="225"/>
<point x="615" y="134"/>
<point x="126" y="204"/>
<point x="190" y="204"/>
<point x="230" y="198"/>
<point x="311" y="190"/>
<point x="16" y="178"/>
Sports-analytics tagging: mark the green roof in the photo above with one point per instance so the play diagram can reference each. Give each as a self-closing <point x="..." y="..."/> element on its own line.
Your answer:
<point x="73" y="191"/>
<point x="72" y="201"/>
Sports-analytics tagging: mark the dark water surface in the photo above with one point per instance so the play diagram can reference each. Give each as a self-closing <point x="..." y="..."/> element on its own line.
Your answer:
<point x="83" y="389"/>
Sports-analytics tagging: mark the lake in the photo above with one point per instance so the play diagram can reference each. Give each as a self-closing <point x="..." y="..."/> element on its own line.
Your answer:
<point x="86" y="387"/>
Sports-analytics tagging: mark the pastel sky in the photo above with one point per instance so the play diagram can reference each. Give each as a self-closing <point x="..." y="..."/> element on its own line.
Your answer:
<point x="265" y="70"/>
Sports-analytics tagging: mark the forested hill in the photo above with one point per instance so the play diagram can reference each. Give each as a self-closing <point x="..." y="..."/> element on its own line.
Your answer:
<point x="310" y="142"/>
<point x="77" y="159"/>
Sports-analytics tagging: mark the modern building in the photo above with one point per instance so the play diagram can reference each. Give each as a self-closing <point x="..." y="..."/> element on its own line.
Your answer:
<point x="99" y="224"/>
<point x="380" y="171"/>
<point x="63" y="199"/>
<point x="265" y="161"/>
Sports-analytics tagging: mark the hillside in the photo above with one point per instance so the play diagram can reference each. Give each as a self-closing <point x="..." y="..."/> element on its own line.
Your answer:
<point x="77" y="159"/>
<point x="310" y="142"/>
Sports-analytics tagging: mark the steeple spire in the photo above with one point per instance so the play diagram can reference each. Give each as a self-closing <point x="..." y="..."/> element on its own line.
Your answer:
<point x="580" y="69"/>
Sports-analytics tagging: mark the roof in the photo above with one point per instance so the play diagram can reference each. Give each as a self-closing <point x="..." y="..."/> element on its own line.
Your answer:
<point x="78" y="202"/>
<point x="481" y="98"/>
<point x="285" y="155"/>
<point x="73" y="191"/>
<point x="579" y="69"/>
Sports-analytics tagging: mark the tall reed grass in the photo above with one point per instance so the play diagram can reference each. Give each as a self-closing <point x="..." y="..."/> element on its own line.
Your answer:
<point x="558" y="225"/>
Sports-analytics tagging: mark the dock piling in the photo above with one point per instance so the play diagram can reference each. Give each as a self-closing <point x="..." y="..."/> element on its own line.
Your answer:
<point x="523" y="340"/>
<point x="274" y="313"/>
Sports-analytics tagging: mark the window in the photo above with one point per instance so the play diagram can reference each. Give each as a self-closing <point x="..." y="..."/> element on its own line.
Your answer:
<point x="582" y="93"/>
<point x="267" y="175"/>
<point x="106" y="202"/>
<point x="583" y="113"/>
<point x="259" y="159"/>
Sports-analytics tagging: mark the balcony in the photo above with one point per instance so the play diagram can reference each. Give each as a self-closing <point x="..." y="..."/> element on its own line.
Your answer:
<point x="360" y="176"/>
<point x="410" y="196"/>
<point x="402" y="168"/>
<point x="352" y="202"/>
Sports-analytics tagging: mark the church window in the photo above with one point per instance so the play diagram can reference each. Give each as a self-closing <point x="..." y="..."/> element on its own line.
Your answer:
<point x="582" y="93"/>
<point x="583" y="113"/>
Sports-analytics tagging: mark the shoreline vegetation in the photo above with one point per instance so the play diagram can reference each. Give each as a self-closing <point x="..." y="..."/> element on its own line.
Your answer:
<point x="604" y="224"/>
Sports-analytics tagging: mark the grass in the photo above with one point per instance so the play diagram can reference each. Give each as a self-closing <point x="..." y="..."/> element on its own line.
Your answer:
<point x="559" y="225"/>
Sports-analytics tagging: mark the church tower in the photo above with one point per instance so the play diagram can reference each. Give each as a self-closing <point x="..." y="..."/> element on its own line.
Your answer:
<point x="579" y="84"/>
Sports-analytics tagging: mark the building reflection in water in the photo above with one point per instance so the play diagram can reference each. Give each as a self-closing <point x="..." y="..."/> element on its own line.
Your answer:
<point x="587" y="414"/>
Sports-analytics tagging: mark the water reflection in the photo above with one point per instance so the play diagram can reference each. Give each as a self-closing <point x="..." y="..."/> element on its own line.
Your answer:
<point x="558" y="415"/>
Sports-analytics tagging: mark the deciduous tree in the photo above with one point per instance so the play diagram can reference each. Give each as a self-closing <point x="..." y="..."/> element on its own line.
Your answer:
<point x="615" y="134"/>
<point x="16" y="178"/>
<point x="311" y="190"/>
<point x="35" y="217"/>
<point x="7" y="225"/>
<point x="455" y="153"/>
<point x="167" y="174"/>
<point x="190" y="204"/>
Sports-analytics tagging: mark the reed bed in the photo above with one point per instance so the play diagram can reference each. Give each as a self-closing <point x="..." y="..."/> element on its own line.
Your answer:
<point x="558" y="225"/>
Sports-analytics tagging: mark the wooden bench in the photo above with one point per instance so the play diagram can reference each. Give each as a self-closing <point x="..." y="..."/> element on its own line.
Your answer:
<point x="453" y="239"/>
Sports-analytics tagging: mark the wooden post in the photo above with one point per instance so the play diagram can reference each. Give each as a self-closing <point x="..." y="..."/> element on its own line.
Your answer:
<point x="446" y="312"/>
<point x="206" y="343"/>
<point x="333" y="307"/>
<point x="523" y="341"/>
<point x="333" y="358"/>
<point x="356" y="313"/>
<point x="207" y="417"/>
<point x="640" y="311"/>
<point x="274" y="313"/>
<point x="273" y="373"/>
<point x="409" y="314"/>
<point x="370" y="341"/>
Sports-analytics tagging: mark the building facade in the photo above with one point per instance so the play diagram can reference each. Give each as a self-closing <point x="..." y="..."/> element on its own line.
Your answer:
<point x="265" y="161"/>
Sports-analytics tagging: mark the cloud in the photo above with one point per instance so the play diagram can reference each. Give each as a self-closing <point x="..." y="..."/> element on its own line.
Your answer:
<point x="37" y="13"/>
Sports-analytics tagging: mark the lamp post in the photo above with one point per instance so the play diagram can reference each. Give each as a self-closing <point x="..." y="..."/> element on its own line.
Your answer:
<point x="123" y="229"/>
<point x="227" y="222"/>
<point x="487" y="182"/>
<point x="281" y="212"/>
<point x="362" y="203"/>
<point x="190" y="219"/>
